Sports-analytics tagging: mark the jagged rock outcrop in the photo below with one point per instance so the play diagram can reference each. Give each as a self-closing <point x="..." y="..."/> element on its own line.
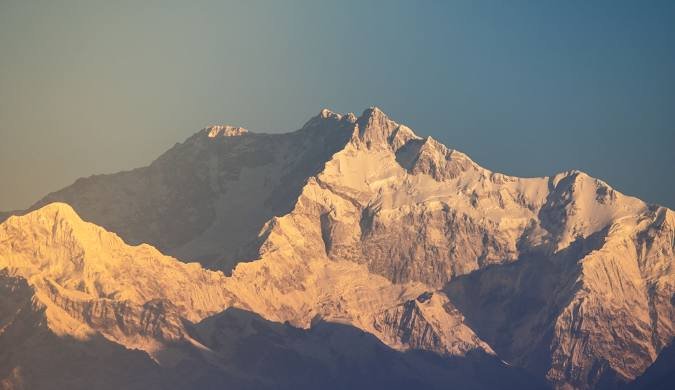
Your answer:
<point x="429" y="323"/>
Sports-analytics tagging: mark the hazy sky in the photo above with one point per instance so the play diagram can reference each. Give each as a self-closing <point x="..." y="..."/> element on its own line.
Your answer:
<point x="525" y="88"/>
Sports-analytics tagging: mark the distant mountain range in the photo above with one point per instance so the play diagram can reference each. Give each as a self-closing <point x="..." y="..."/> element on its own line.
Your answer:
<point x="351" y="253"/>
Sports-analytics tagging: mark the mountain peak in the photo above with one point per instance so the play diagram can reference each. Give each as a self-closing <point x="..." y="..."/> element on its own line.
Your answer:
<point x="58" y="207"/>
<point x="373" y="111"/>
<point x="54" y="211"/>
<point x="225" y="131"/>
<point x="84" y="258"/>
<point x="328" y="115"/>
<point x="376" y="129"/>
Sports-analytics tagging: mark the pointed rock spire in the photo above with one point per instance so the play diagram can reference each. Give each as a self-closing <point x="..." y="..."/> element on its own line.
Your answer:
<point x="376" y="129"/>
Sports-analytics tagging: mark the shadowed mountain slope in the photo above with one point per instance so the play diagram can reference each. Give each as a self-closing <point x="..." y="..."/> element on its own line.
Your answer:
<point x="206" y="199"/>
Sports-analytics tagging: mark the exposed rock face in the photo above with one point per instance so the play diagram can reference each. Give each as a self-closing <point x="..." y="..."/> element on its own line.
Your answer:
<point x="624" y="303"/>
<point x="33" y="356"/>
<point x="429" y="323"/>
<point x="593" y="315"/>
<point x="359" y="221"/>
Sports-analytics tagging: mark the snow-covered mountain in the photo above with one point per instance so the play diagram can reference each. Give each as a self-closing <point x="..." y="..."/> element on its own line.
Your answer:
<point x="391" y="247"/>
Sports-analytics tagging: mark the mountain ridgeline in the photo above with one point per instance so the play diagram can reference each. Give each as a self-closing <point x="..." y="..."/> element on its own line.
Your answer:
<point x="351" y="253"/>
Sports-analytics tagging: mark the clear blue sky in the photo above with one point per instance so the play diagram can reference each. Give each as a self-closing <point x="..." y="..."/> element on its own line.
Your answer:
<point x="528" y="88"/>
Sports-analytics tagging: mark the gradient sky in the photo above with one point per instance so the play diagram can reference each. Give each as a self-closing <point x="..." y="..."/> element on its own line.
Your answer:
<point x="528" y="88"/>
